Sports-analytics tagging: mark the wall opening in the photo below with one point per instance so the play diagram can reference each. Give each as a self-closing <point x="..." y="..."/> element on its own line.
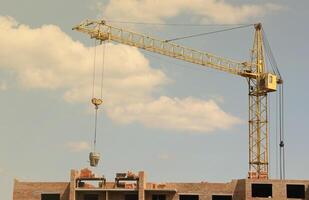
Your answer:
<point x="295" y="191"/>
<point x="222" y="197"/>
<point x="81" y="184"/>
<point x="188" y="197"/>
<point x="50" y="196"/>
<point x="159" y="197"/>
<point x="91" y="197"/>
<point x="262" y="190"/>
<point x="131" y="197"/>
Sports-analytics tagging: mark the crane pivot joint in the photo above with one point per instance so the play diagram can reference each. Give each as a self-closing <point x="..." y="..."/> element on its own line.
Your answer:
<point x="258" y="26"/>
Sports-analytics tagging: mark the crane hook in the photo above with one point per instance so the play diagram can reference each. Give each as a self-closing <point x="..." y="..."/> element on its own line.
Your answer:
<point x="96" y="102"/>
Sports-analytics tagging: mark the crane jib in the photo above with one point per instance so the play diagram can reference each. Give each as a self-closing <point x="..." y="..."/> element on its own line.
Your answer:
<point x="105" y="32"/>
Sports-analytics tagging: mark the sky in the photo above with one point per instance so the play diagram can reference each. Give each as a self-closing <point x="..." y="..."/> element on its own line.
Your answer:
<point x="176" y="121"/>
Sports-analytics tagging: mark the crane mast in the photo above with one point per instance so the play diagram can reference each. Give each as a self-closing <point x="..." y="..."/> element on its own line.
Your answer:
<point x="258" y="108"/>
<point x="260" y="81"/>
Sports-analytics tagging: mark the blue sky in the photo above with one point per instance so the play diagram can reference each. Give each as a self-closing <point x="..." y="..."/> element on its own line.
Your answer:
<point x="45" y="85"/>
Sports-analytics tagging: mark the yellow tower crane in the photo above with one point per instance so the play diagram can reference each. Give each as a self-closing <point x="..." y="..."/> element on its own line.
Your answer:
<point x="260" y="81"/>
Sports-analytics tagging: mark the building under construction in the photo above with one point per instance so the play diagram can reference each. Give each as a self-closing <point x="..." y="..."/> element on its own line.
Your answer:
<point x="84" y="185"/>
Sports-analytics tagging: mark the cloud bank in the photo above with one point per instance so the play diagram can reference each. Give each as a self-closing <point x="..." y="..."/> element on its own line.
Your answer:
<point x="187" y="114"/>
<point x="209" y="11"/>
<point x="47" y="58"/>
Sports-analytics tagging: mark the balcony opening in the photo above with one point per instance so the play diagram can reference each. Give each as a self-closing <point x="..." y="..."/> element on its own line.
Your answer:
<point x="131" y="197"/>
<point x="222" y="197"/>
<point x="91" y="197"/>
<point x="188" y="197"/>
<point x="262" y="190"/>
<point x="159" y="197"/>
<point x="295" y="191"/>
<point x="50" y="196"/>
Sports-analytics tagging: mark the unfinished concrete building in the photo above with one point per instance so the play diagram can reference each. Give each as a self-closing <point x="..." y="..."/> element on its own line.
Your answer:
<point x="84" y="185"/>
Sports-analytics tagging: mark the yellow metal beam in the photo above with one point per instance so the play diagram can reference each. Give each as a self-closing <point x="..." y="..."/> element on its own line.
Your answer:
<point x="102" y="31"/>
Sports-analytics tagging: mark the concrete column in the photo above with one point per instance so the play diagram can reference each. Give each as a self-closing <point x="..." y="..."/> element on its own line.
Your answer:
<point x="74" y="175"/>
<point x="141" y="185"/>
<point x="106" y="195"/>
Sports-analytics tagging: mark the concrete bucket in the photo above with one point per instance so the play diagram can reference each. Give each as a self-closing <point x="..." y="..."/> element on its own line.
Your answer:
<point x="94" y="159"/>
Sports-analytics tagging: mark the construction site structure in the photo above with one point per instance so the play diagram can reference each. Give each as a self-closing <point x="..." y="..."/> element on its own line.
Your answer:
<point x="84" y="185"/>
<point x="260" y="81"/>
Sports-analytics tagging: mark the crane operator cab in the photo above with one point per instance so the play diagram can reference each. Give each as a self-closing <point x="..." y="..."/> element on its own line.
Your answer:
<point x="268" y="82"/>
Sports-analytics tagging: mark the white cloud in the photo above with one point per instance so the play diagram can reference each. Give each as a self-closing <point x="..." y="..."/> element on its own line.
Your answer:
<point x="211" y="11"/>
<point x="47" y="58"/>
<point x="78" y="146"/>
<point x="187" y="114"/>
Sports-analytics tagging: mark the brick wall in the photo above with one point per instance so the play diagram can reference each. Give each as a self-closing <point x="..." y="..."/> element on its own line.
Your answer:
<point x="239" y="189"/>
<point x="206" y="190"/>
<point x="278" y="188"/>
<point x="33" y="190"/>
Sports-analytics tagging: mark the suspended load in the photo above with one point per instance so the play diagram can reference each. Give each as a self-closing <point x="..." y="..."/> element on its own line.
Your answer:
<point x="94" y="159"/>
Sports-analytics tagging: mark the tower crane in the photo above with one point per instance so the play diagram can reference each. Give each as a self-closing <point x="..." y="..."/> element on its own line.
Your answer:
<point x="260" y="81"/>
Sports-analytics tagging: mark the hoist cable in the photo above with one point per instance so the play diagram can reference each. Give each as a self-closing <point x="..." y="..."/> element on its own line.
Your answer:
<point x="272" y="58"/>
<point x="277" y="136"/>
<point x="270" y="55"/>
<point x="280" y="142"/>
<point x="269" y="116"/>
<point x="94" y="100"/>
<point x="208" y="33"/>
<point x="95" y="129"/>
<point x="282" y="131"/>
<point x="93" y="92"/>
<point x="94" y="67"/>
<point x="103" y="68"/>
